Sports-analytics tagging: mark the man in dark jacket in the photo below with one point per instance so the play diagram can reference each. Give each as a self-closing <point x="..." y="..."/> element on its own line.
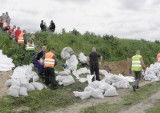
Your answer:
<point x="42" y="26"/>
<point x="52" y="26"/>
<point x="94" y="59"/>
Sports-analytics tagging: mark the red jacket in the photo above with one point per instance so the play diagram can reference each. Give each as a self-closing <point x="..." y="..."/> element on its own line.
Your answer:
<point x="17" y="33"/>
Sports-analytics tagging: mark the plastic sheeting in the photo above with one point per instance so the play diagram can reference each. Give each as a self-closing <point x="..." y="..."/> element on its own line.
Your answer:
<point x="5" y="62"/>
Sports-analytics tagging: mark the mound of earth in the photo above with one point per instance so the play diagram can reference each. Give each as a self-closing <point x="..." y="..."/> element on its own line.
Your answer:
<point x="117" y="67"/>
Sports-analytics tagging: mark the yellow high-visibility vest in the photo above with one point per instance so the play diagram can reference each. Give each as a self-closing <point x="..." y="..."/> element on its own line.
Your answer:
<point x="136" y="63"/>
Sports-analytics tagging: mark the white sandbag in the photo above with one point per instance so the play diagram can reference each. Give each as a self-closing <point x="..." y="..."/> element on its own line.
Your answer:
<point x="80" y="71"/>
<point x="82" y="80"/>
<point x="65" y="72"/>
<point x="38" y="85"/>
<point x="68" y="81"/>
<point x="30" y="87"/>
<point x="8" y="83"/>
<point x="5" y="63"/>
<point x="130" y="78"/>
<point x="97" y="93"/>
<point x="14" y="91"/>
<point x="95" y="84"/>
<point x="88" y="88"/>
<point x="23" y="91"/>
<point x="30" y="75"/>
<point x="60" y="78"/>
<point x="24" y="82"/>
<point x="16" y="82"/>
<point x="89" y="78"/>
<point x="35" y="78"/>
<point x="72" y="63"/>
<point x="82" y="58"/>
<point x="104" y="86"/>
<point x="122" y="84"/>
<point x="66" y="53"/>
<point x="82" y="95"/>
<point x="103" y="72"/>
<point x="111" y="92"/>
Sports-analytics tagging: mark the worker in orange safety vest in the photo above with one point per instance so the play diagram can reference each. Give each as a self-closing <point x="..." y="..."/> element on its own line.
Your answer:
<point x="49" y="64"/>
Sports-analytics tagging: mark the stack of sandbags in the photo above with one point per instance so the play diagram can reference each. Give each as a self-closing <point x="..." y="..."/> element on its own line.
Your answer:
<point x="97" y="89"/>
<point x="20" y="82"/>
<point x="5" y="62"/>
<point x="152" y="73"/>
<point x="66" y="53"/>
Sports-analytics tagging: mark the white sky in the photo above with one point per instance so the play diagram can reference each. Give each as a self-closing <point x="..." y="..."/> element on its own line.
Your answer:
<point x="134" y="19"/>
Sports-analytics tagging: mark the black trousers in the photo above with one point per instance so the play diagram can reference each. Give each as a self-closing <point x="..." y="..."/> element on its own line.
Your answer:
<point x="50" y="77"/>
<point x="94" y="69"/>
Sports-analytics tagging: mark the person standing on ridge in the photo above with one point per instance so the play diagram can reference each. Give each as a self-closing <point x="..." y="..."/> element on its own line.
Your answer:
<point x="52" y="26"/>
<point x="17" y="33"/>
<point x="95" y="60"/>
<point x="42" y="25"/>
<point x="137" y="67"/>
<point x="49" y="63"/>
<point x="11" y="32"/>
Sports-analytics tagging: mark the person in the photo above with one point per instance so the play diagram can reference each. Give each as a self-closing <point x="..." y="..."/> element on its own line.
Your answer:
<point x="137" y="67"/>
<point x="42" y="25"/>
<point x="30" y="45"/>
<point x="11" y="31"/>
<point x="7" y="18"/>
<point x="38" y="62"/>
<point x="5" y="26"/>
<point x="95" y="60"/>
<point x="21" y="38"/>
<point x="49" y="64"/>
<point x="52" y="26"/>
<point x="45" y="26"/>
<point x="158" y="57"/>
<point x="17" y="33"/>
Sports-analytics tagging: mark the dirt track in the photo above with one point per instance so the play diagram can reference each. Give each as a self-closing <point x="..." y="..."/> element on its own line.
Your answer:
<point x="92" y="101"/>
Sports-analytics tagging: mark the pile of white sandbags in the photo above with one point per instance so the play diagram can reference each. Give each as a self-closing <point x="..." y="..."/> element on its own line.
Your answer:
<point x="5" y="62"/>
<point x="152" y="73"/>
<point x="97" y="89"/>
<point x="66" y="53"/>
<point x="22" y="81"/>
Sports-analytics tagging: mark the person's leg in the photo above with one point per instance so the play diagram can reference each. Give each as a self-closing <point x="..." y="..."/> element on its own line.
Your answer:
<point x="137" y="79"/>
<point x="46" y="71"/>
<point x="53" y="78"/>
<point x="97" y="72"/>
<point x="92" y="71"/>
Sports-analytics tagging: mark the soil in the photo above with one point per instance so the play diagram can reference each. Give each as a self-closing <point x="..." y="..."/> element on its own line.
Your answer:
<point x="3" y="77"/>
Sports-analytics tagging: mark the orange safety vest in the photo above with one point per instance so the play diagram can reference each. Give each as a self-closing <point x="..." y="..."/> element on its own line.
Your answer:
<point x="5" y="25"/>
<point x="49" y="60"/>
<point x="21" y="38"/>
<point x="158" y="57"/>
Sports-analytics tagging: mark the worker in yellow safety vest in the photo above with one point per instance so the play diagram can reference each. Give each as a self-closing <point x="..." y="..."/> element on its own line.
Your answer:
<point x="137" y="67"/>
<point x="158" y="57"/>
<point x="49" y="64"/>
<point x="21" y="38"/>
<point x="30" y="45"/>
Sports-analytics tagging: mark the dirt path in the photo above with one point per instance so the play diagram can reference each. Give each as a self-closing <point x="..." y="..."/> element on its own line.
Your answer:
<point x="146" y="104"/>
<point x="92" y="101"/>
<point x="3" y="77"/>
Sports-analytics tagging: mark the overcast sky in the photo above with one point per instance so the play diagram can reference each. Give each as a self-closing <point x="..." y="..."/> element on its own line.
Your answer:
<point x="134" y="19"/>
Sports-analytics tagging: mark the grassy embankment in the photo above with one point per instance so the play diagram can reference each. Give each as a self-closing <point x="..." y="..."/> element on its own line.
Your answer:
<point x="111" y="48"/>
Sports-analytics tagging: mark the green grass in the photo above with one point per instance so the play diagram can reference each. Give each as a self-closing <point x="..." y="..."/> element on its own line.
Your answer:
<point x="44" y="100"/>
<point x="129" y="100"/>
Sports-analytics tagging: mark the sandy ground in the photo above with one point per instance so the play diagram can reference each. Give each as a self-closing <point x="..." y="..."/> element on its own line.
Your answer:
<point x="3" y="77"/>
